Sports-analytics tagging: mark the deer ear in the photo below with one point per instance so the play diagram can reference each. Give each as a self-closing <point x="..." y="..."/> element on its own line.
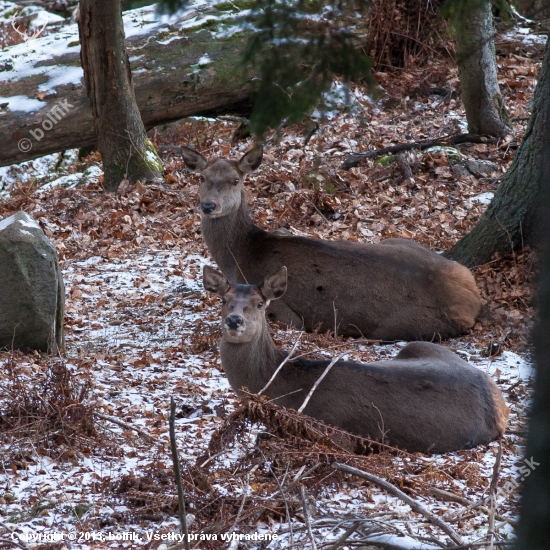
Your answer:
<point x="214" y="281"/>
<point x="193" y="160"/>
<point x="251" y="160"/>
<point x="274" y="286"/>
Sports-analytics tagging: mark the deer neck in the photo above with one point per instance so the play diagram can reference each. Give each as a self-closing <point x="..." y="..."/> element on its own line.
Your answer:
<point x="228" y="240"/>
<point x="251" y="364"/>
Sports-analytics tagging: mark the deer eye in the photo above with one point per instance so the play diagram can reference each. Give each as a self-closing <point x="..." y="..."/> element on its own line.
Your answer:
<point x="224" y="301"/>
<point x="236" y="181"/>
<point x="201" y="179"/>
<point x="260" y="305"/>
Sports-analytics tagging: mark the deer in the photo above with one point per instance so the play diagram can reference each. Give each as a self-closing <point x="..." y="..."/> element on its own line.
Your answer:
<point x="393" y="290"/>
<point x="426" y="399"/>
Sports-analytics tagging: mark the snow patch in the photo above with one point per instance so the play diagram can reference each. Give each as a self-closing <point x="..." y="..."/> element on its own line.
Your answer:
<point x="60" y="76"/>
<point x="23" y="103"/>
<point x="204" y="60"/>
<point x="38" y="169"/>
<point x="6" y="222"/>
<point x="338" y="98"/>
<point x="483" y="198"/>
<point x="71" y="180"/>
<point x="40" y="17"/>
<point x="22" y="218"/>
<point x="7" y="9"/>
<point x="27" y="221"/>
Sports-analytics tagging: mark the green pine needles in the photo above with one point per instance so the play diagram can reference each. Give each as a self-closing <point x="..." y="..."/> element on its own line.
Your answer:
<point x="296" y="49"/>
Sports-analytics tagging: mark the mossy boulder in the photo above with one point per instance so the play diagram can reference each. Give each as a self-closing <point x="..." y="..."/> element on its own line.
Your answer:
<point x="32" y="293"/>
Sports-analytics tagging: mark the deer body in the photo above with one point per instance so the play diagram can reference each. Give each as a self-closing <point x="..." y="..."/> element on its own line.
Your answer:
<point x="427" y="399"/>
<point x="394" y="290"/>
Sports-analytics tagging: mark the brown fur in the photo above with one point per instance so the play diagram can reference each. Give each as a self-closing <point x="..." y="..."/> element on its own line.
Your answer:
<point x="394" y="290"/>
<point x="426" y="399"/>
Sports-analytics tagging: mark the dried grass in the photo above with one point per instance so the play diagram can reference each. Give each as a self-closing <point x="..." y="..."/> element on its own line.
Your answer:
<point x="406" y="33"/>
<point x="50" y="415"/>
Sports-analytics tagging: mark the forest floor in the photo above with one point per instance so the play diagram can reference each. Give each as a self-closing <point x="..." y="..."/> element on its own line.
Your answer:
<point x="140" y="329"/>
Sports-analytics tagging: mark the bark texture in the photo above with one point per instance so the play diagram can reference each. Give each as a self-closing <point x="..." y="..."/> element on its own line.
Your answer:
<point x="534" y="526"/>
<point x="477" y="70"/>
<point x="125" y="150"/>
<point x="513" y="217"/>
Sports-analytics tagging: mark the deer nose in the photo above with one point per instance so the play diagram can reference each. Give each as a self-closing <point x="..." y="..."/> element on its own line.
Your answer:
<point x="208" y="207"/>
<point x="234" y="321"/>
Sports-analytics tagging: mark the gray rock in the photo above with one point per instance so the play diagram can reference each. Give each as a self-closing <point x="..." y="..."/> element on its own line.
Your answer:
<point x="32" y="293"/>
<point x="480" y="167"/>
<point x="460" y="170"/>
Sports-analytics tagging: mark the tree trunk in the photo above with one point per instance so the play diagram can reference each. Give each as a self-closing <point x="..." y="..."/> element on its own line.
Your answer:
<point x="125" y="150"/>
<point x="477" y="70"/>
<point x="534" y="525"/>
<point x="512" y="218"/>
<point x="188" y="66"/>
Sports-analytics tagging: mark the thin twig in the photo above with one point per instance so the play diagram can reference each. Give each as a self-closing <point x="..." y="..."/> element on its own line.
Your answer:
<point x="238" y="266"/>
<point x="125" y="425"/>
<point x="493" y="497"/>
<point x="296" y="481"/>
<point x="245" y="494"/>
<point x="446" y="495"/>
<point x="285" y="360"/>
<point x="353" y="527"/>
<point x="289" y="520"/>
<point x="306" y="517"/>
<point x="460" y="513"/>
<point x="417" y="507"/>
<point x="325" y="372"/>
<point x="177" y="473"/>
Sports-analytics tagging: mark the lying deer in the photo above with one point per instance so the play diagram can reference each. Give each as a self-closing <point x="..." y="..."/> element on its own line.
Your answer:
<point x="394" y="290"/>
<point x="427" y="399"/>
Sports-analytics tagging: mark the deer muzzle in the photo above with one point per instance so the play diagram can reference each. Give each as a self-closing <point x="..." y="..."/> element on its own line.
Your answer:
<point x="234" y="322"/>
<point x="208" y="207"/>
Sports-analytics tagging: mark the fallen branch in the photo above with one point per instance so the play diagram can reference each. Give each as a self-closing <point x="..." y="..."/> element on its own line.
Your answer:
<point x="417" y="507"/>
<point x="446" y="495"/>
<point x="319" y="380"/>
<point x="355" y="159"/>
<point x="125" y="425"/>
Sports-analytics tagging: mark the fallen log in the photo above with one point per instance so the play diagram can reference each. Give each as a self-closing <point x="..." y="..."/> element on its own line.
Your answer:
<point x="355" y="158"/>
<point x="181" y="66"/>
<point x="184" y="65"/>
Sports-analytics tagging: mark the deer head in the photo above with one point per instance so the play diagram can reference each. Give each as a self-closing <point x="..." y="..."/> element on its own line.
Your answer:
<point x="221" y="181"/>
<point x="243" y="306"/>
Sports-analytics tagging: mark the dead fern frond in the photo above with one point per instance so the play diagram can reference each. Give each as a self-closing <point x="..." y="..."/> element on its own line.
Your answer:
<point x="288" y="423"/>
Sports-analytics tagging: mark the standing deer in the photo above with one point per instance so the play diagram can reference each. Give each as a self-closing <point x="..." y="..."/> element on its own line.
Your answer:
<point x="394" y="290"/>
<point x="427" y="399"/>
